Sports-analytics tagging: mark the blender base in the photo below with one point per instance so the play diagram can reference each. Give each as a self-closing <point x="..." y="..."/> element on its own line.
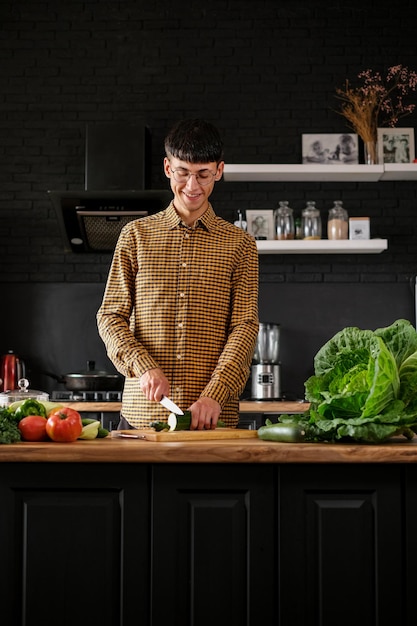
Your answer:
<point x="266" y="381"/>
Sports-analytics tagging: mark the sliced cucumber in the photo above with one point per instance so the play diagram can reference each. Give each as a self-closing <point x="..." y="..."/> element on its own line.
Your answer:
<point x="179" y="422"/>
<point x="90" y="431"/>
<point x="183" y="422"/>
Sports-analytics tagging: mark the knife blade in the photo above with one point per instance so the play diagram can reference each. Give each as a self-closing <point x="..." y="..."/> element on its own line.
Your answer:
<point x="171" y="406"/>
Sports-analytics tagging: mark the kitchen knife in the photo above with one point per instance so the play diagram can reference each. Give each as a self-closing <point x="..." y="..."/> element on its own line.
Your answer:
<point x="171" y="406"/>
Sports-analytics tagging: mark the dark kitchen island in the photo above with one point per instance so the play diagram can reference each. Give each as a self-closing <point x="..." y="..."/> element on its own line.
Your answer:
<point x="237" y="532"/>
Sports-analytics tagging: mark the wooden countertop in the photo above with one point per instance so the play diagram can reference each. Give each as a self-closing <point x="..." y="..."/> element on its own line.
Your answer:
<point x="255" y="450"/>
<point x="245" y="406"/>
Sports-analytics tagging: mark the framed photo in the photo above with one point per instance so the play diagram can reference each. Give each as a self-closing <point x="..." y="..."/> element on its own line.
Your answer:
<point x="396" y="145"/>
<point x="330" y="149"/>
<point x="261" y="223"/>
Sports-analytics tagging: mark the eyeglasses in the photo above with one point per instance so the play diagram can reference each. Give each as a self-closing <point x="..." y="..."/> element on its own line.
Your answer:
<point x="203" y="177"/>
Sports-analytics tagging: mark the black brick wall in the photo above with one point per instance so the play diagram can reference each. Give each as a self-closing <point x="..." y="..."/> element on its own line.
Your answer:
<point x="265" y="72"/>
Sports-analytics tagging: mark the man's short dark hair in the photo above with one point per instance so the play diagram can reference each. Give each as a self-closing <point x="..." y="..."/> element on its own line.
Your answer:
<point x="194" y="141"/>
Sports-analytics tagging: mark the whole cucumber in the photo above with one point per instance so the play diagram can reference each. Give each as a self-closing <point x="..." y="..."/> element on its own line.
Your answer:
<point x="285" y="433"/>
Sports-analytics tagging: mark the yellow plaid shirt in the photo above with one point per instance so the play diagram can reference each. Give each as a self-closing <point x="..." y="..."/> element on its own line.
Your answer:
<point x="185" y="300"/>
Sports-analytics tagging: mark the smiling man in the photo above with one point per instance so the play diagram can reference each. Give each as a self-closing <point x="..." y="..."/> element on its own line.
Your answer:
<point x="179" y="316"/>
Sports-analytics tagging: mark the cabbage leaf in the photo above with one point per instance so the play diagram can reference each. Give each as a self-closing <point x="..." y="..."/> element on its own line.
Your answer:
<point x="364" y="386"/>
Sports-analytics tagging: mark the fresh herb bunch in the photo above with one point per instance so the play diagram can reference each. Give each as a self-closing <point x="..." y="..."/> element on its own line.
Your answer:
<point x="9" y="431"/>
<point x="377" y="101"/>
<point x="364" y="386"/>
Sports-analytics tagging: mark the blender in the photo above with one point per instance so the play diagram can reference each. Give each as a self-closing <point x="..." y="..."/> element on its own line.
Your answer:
<point x="265" y="370"/>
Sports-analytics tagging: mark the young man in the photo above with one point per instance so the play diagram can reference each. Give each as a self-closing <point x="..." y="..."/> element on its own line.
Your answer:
<point x="179" y="316"/>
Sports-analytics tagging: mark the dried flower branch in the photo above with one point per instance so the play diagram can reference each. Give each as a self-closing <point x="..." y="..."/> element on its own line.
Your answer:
<point x="377" y="102"/>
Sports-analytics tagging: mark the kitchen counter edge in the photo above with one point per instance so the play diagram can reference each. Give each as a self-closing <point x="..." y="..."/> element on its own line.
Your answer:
<point x="255" y="450"/>
<point x="245" y="406"/>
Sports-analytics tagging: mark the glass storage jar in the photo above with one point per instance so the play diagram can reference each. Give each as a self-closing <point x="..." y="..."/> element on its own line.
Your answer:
<point x="311" y="222"/>
<point x="338" y="222"/>
<point x="284" y="221"/>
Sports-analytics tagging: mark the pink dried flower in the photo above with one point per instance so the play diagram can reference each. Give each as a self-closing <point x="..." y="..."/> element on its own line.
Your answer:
<point x="377" y="102"/>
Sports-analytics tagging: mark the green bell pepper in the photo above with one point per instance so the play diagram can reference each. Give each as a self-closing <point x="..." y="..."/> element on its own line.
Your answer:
<point x="30" y="407"/>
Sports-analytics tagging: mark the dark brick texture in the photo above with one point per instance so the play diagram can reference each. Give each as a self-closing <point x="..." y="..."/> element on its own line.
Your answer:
<point x="265" y="72"/>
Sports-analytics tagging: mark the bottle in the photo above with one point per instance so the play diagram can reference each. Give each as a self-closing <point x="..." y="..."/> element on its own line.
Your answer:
<point x="311" y="222"/>
<point x="338" y="222"/>
<point x="284" y="221"/>
<point x="240" y="222"/>
<point x="297" y="224"/>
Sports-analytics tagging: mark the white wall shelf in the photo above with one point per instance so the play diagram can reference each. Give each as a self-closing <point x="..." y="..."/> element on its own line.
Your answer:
<point x="246" y="172"/>
<point x="322" y="246"/>
<point x="399" y="171"/>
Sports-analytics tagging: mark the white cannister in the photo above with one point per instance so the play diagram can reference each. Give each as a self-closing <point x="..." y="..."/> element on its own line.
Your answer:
<point x="359" y="228"/>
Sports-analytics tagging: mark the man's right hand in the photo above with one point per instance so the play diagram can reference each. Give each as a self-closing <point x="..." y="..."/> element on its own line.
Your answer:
<point x="154" y="384"/>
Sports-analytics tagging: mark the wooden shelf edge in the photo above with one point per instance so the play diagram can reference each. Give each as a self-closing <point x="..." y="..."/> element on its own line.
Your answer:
<point x="323" y="246"/>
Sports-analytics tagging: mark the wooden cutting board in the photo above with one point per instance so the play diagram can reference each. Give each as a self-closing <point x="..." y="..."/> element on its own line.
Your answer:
<point x="186" y="435"/>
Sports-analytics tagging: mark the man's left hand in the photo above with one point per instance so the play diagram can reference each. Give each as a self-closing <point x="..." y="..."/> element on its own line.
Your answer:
<point x="205" y="414"/>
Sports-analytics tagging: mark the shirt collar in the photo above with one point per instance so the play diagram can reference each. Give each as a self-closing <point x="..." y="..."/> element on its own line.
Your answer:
<point x="207" y="220"/>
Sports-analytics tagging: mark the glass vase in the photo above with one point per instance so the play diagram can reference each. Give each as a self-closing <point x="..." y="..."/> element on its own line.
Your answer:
<point x="370" y="152"/>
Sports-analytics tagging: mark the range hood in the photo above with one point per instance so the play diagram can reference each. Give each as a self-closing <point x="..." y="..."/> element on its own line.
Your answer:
<point x="117" y="173"/>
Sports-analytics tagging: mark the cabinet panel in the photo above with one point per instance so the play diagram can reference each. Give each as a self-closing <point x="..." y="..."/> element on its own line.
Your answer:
<point x="214" y="545"/>
<point x="71" y="550"/>
<point x="344" y="564"/>
<point x="67" y="528"/>
<point x="411" y="542"/>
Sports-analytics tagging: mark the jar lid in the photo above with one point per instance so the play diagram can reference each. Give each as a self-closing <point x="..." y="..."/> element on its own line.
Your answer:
<point x="23" y="393"/>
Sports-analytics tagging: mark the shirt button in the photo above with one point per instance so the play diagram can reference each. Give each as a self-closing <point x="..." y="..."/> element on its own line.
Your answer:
<point x="179" y="356"/>
<point x="183" y="264"/>
<point x="182" y="294"/>
<point x="180" y="325"/>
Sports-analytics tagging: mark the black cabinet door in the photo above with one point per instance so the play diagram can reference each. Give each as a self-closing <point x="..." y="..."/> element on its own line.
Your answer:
<point x="214" y="545"/>
<point x="410" y="544"/>
<point x="70" y="535"/>
<point x="341" y="542"/>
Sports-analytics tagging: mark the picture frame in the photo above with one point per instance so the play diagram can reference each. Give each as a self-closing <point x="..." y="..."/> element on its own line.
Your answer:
<point x="330" y="148"/>
<point x="396" y="145"/>
<point x="261" y="223"/>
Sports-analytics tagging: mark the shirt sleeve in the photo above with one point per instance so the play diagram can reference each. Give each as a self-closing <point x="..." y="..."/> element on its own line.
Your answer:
<point x="233" y="367"/>
<point x="127" y="354"/>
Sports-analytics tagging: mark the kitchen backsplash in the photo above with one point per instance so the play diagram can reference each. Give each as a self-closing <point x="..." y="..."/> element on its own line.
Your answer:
<point x="265" y="77"/>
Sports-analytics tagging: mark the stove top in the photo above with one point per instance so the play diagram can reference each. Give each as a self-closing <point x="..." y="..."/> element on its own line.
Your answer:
<point x="87" y="396"/>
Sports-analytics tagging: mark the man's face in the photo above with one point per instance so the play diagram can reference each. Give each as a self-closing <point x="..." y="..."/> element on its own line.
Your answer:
<point x="192" y="184"/>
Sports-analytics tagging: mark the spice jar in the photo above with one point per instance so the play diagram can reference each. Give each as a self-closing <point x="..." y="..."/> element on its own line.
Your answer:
<point x="311" y="222"/>
<point x="284" y="221"/>
<point x="338" y="222"/>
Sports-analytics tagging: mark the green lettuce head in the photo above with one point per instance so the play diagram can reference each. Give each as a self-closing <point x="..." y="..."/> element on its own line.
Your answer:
<point x="356" y="376"/>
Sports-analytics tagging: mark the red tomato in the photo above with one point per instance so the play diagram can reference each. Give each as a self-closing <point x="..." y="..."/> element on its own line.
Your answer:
<point x="64" y="425"/>
<point x="33" y="428"/>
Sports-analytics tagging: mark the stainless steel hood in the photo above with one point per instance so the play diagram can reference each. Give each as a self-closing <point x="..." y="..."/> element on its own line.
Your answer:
<point x="92" y="221"/>
<point x="117" y="174"/>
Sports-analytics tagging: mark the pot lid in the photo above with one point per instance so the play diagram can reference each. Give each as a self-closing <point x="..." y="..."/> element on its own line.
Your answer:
<point x="91" y="372"/>
<point x="8" y="397"/>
